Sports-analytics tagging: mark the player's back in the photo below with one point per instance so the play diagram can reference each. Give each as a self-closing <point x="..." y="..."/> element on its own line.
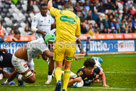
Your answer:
<point x="67" y="24"/>
<point x="35" y="48"/>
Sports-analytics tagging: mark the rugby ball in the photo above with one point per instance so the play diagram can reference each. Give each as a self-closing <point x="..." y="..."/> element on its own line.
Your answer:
<point x="78" y="84"/>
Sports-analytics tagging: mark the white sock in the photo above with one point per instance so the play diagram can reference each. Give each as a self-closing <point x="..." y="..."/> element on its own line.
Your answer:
<point x="20" y="77"/>
<point x="49" y="76"/>
<point x="6" y="82"/>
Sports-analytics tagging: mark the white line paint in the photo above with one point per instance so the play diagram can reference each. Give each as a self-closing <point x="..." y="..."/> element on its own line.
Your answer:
<point x="120" y="72"/>
<point x="112" y="88"/>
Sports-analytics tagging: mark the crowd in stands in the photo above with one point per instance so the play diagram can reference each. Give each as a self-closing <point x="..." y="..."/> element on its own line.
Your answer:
<point x="98" y="16"/>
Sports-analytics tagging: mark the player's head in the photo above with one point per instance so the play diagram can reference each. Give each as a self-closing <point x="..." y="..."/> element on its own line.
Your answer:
<point x="49" y="37"/>
<point x="68" y="6"/>
<point x="43" y="9"/>
<point x="89" y="66"/>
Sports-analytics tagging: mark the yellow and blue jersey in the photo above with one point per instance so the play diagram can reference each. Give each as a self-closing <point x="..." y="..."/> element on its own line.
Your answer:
<point x="88" y="79"/>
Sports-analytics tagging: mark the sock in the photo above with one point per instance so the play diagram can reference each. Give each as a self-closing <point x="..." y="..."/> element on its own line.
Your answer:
<point x="49" y="73"/>
<point x="19" y="77"/>
<point x="6" y="82"/>
<point x="49" y="76"/>
<point x="58" y="73"/>
<point x="66" y="79"/>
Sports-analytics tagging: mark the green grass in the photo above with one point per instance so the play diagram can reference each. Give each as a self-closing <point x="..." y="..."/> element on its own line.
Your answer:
<point x="120" y="71"/>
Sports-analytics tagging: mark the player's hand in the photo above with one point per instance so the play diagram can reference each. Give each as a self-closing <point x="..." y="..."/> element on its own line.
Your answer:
<point x="77" y="58"/>
<point x="105" y="85"/>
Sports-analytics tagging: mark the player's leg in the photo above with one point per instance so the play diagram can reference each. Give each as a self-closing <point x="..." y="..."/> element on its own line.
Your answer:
<point x="66" y="76"/>
<point x="58" y="57"/>
<point x="50" y="70"/>
<point x="21" y="66"/>
<point x="69" y="57"/>
<point x="1" y="73"/>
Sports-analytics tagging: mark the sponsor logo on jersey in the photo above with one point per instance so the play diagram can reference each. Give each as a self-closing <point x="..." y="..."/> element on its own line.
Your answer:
<point x="25" y="65"/>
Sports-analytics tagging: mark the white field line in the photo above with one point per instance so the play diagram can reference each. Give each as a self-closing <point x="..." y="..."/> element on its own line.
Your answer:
<point x="120" y="72"/>
<point x="110" y="88"/>
<point x="113" y="88"/>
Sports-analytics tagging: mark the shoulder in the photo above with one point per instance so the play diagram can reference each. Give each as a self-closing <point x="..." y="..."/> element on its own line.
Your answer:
<point x="97" y="70"/>
<point x="38" y="15"/>
<point x="80" y="70"/>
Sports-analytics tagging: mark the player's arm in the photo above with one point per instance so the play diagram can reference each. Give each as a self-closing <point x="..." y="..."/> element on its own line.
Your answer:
<point x="78" y="28"/>
<point x="49" y="4"/>
<point x="48" y="53"/>
<point x="72" y="81"/>
<point x="101" y="73"/>
<point x="53" y="10"/>
<point x="77" y="58"/>
<point x="34" y="26"/>
<point x="11" y="77"/>
<point x="80" y="46"/>
<point x="4" y="50"/>
<point x="31" y="65"/>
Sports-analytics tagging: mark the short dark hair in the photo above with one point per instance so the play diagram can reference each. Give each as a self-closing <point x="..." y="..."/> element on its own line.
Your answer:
<point x="43" y="4"/>
<point x="89" y="63"/>
<point x="68" y="5"/>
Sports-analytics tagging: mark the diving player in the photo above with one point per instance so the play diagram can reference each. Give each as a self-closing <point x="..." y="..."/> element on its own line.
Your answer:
<point x="88" y="74"/>
<point x="28" y="52"/>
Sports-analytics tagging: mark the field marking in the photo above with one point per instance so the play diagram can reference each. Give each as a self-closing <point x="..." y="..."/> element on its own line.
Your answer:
<point x="112" y="88"/>
<point x="120" y="72"/>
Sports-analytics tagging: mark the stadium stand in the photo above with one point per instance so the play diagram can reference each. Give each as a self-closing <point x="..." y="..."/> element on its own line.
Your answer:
<point x="98" y="16"/>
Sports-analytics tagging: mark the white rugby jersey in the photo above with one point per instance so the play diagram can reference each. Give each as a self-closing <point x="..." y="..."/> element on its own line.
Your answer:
<point x="35" y="48"/>
<point x="43" y="23"/>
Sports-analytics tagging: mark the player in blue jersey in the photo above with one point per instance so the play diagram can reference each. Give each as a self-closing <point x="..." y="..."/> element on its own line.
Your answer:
<point x="88" y="73"/>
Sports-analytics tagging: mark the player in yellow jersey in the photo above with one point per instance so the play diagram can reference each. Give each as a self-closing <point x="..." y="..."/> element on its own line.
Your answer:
<point x="67" y="28"/>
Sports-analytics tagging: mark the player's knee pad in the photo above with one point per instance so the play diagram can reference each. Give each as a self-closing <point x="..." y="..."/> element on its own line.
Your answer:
<point x="28" y="74"/>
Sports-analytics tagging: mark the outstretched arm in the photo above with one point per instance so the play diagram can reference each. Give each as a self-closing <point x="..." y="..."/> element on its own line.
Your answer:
<point x="49" y="4"/>
<point x="103" y="79"/>
<point x="72" y="81"/>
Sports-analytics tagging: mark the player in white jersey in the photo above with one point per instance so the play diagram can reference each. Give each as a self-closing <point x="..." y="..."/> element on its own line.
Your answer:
<point x="41" y="25"/>
<point x="27" y="52"/>
<point x="42" y="22"/>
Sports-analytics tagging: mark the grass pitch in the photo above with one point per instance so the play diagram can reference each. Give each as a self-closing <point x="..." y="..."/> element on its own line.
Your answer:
<point x="120" y="71"/>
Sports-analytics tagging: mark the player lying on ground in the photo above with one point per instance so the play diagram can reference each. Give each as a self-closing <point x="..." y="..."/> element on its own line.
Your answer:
<point x="87" y="74"/>
<point x="6" y="61"/>
<point x="28" y="52"/>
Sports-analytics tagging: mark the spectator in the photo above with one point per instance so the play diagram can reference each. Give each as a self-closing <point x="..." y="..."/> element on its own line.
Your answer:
<point x="17" y="36"/>
<point x="96" y="29"/>
<point x="11" y="32"/>
<point x="101" y="8"/>
<point x="27" y="31"/>
<point x="113" y="30"/>
<point x="122" y="30"/>
<point x="105" y="30"/>
<point x="109" y="5"/>
<point x="84" y="27"/>
<point x="115" y="24"/>
<point x="95" y="15"/>
<point x="3" y="33"/>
